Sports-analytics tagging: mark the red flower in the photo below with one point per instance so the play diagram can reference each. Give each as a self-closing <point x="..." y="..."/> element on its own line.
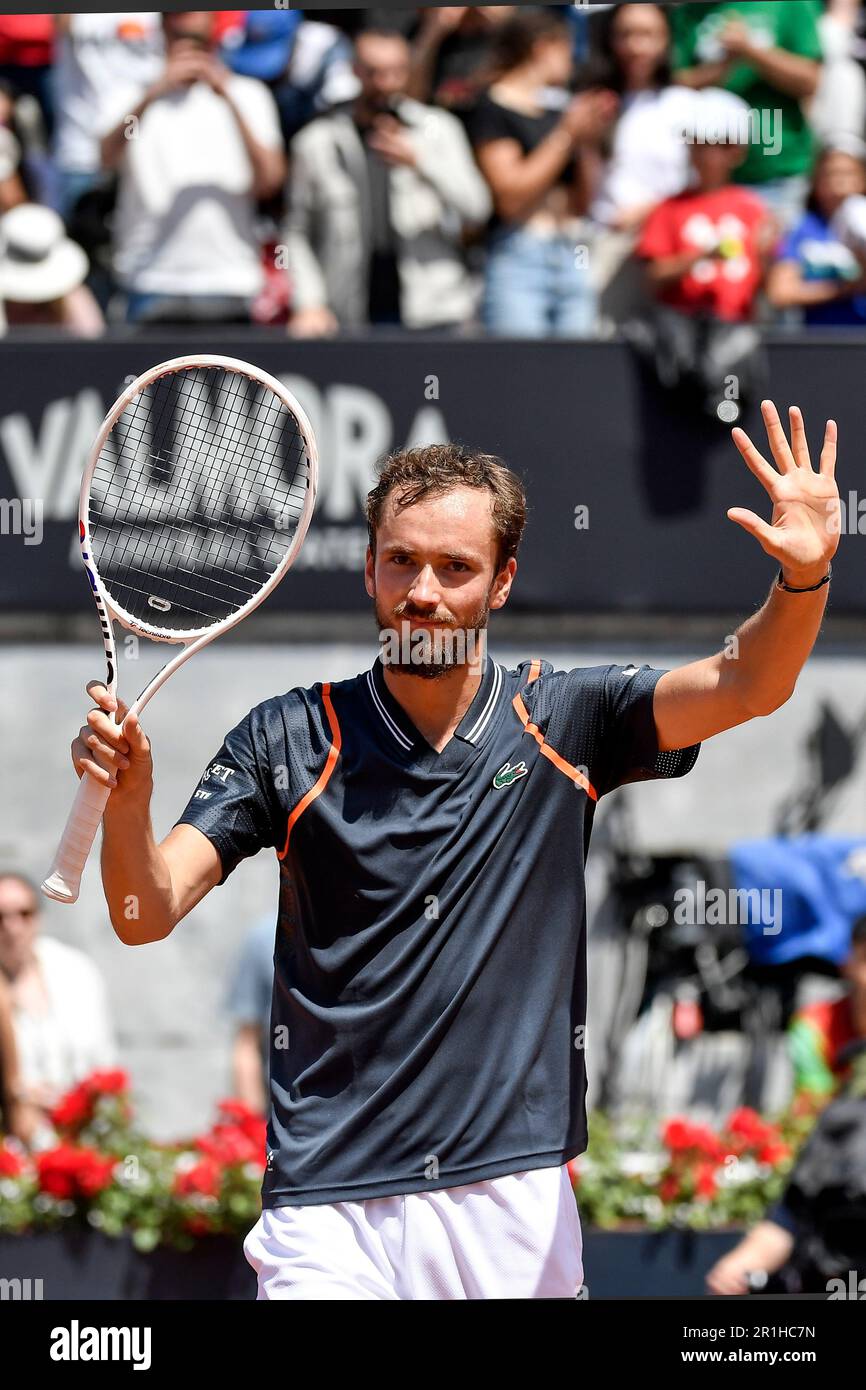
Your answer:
<point x="108" y="1082"/>
<point x="203" y="1178"/>
<point x="66" y="1171"/>
<point x="773" y="1153"/>
<point x="705" y="1182"/>
<point x="677" y="1134"/>
<point x="253" y="1125"/>
<point x="680" y="1136"/>
<point x="94" y="1172"/>
<point x="708" y="1142"/>
<point x="228" y="1145"/>
<point x="669" y="1188"/>
<point x="239" y="1137"/>
<point x="73" y="1109"/>
<point x="56" y="1170"/>
<point x="11" y="1163"/>
<point x="748" y="1125"/>
<point x="237" y="1110"/>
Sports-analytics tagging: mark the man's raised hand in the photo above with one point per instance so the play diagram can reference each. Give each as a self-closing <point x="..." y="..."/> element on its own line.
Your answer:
<point x="803" y="532"/>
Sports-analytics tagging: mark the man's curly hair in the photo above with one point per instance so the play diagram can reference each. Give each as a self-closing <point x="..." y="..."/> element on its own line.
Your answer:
<point x="436" y="468"/>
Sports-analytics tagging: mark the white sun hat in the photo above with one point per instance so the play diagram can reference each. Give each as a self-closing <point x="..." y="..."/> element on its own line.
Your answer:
<point x="717" y="117"/>
<point x="849" y="223"/>
<point x="38" y="261"/>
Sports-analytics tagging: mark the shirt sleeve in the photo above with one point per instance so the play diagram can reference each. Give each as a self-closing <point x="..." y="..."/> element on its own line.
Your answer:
<point x="259" y="110"/>
<point x="235" y="803"/>
<point x="683" y="26"/>
<point x="799" y="29"/>
<point x="489" y="121"/>
<point x="627" y="743"/>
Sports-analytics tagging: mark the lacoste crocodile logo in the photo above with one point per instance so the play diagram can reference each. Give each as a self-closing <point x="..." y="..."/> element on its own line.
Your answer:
<point x="508" y="774"/>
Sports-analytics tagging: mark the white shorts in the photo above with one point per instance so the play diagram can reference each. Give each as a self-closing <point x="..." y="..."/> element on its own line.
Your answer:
<point x="513" y="1237"/>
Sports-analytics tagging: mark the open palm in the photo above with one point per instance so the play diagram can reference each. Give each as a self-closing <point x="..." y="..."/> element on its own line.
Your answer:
<point x="803" y="533"/>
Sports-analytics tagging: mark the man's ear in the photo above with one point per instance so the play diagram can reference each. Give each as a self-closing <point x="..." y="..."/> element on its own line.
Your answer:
<point x="502" y="583"/>
<point x="370" y="573"/>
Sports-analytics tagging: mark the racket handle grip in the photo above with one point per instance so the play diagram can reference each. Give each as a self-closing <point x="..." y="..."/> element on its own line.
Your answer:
<point x="64" y="877"/>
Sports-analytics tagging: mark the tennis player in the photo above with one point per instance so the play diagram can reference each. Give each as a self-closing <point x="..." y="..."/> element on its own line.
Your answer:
<point x="431" y="819"/>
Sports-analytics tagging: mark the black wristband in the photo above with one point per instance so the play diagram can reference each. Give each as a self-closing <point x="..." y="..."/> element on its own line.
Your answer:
<point x="810" y="588"/>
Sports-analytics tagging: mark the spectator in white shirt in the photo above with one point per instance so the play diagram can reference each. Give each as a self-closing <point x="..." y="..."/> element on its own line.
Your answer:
<point x="102" y="62"/>
<point x="59" y="1007"/>
<point x="646" y="158"/>
<point x="195" y="155"/>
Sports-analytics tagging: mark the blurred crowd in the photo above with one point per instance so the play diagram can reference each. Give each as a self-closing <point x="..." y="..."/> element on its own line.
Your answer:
<point x="542" y="171"/>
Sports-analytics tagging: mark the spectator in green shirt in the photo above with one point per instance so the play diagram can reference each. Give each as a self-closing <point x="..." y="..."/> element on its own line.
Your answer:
<point x="768" y="52"/>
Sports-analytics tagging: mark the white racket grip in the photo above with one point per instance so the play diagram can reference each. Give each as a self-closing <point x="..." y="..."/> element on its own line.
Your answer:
<point x="76" y="842"/>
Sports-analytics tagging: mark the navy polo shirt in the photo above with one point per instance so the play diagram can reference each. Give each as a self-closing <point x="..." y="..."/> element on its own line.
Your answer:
<point x="430" y="957"/>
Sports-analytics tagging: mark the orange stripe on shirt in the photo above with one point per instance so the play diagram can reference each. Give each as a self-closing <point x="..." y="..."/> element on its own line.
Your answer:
<point x="573" y="773"/>
<point x="324" y="776"/>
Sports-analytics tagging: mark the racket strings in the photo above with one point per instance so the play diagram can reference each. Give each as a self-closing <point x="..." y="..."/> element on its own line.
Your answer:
<point x="196" y="497"/>
<point x="190" y="486"/>
<point x="197" y="433"/>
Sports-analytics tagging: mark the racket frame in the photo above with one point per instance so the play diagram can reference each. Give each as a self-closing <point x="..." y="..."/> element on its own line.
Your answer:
<point x="192" y="640"/>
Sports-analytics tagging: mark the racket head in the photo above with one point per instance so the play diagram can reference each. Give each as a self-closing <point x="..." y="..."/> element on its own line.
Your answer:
<point x="197" y="495"/>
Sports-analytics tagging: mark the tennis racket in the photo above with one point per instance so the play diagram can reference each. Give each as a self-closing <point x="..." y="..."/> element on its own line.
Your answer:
<point x="196" y="497"/>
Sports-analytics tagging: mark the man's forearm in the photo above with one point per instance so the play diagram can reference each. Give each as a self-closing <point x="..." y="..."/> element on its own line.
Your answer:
<point x="135" y="877"/>
<point x="769" y="1245"/>
<point x="703" y="74"/>
<point x="425" y="51"/>
<point x="773" y="645"/>
<point x="790" y="73"/>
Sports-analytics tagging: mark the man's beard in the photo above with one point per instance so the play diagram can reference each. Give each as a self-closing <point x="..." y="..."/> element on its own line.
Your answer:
<point x="430" y="654"/>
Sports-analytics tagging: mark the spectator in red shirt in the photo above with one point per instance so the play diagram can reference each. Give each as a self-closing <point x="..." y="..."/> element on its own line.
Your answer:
<point x="707" y="248"/>
<point x="26" y="51"/>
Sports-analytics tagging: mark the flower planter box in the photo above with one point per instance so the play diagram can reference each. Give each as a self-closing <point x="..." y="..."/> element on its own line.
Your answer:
<point x="652" y="1264"/>
<point x="89" y="1266"/>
